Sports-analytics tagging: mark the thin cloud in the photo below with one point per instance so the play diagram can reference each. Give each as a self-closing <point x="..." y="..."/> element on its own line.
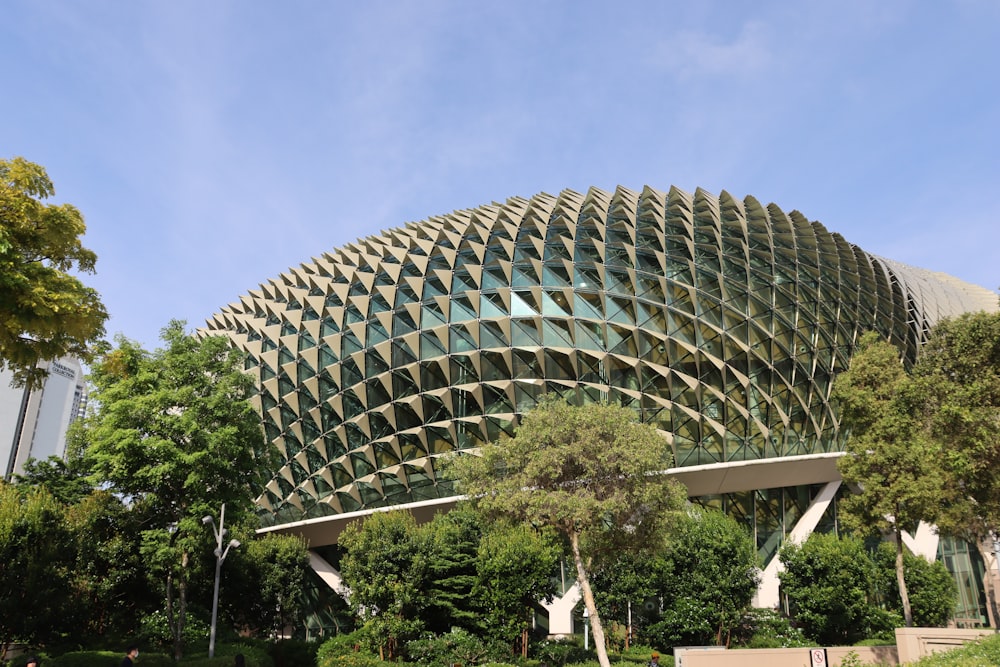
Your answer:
<point x="691" y="54"/>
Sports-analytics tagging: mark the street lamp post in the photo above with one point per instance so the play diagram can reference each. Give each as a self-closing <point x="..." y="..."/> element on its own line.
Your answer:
<point x="220" y="556"/>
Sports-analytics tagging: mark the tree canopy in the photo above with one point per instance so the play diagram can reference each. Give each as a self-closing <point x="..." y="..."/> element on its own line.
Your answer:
<point x="958" y="372"/>
<point x="35" y="562"/>
<point x="174" y="432"/>
<point x="893" y="466"/>
<point x="704" y="581"/>
<point x="46" y="312"/>
<point x="386" y="568"/>
<point x="591" y="473"/>
<point x="831" y="585"/>
<point x="713" y="569"/>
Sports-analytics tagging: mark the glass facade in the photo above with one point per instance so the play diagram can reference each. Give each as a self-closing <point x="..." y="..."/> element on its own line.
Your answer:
<point x="721" y="321"/>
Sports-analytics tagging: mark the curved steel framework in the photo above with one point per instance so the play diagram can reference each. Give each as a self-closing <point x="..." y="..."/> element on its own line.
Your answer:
<point x="721" y="321"/>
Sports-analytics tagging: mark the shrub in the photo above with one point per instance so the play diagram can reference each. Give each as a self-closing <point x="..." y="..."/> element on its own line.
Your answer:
<point x="559" y="652"/>
<point x="345" y="650"/>
<point x="974" y="654"/>
<point x="456" y="647"/>
<point x="766" y="628"/>
<point x="350" y="660"/>
<point x="831" y="584"/>
<point x="293" y="653"/>
<point x="256" y="656"/>
<point x="155" y="631"/>
<point x="341" y="644"/>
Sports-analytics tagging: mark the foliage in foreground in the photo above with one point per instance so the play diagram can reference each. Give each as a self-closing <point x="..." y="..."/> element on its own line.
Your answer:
<point x="46" y="311"/>
<point x="974" y="654"/>
<point x="411" y="582"/>
<point x="831" y="585"/>
<point x="841" y="592"/>
<point x="890" y="463"/>
<point x="693" y="592"/>
<point x="174" y="432"/>
<point x="591" y="473"/>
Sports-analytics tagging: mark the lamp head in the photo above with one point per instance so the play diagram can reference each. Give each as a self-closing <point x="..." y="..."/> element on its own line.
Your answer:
<point x="207" y="520"/>
<point x="234" y="543"/>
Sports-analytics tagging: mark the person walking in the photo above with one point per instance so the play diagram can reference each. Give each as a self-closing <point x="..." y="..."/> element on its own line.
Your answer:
<point x="131" y="653"/>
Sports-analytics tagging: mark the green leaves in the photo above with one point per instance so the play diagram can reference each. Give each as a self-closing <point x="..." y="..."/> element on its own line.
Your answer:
<point x="831" y="584"/>
<point x="35" y="559"/>
<point x="45" y="312"/>
<point x="174" y="428"/>
<point x="592" y="473"/>
<point x="588" y="470"/>
<point x="174" y="433"/>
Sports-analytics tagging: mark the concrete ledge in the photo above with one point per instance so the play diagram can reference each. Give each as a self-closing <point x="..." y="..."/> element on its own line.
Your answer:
<point x="911" y="645"/>
<point x="914" y="643"/>
<point x="786" y="657"/>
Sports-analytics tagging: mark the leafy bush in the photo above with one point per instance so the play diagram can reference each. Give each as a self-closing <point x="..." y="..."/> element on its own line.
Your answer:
<point x="559" y="652"/>
<point x="831" y="584"/>
<point x="155" y="631"/>
<point x="457" y="647"/>
<point x="686" y="622"/>
<point x="351" y="660"/>
<point x="346" y="650"/>
<point x="766" y="628"/>
<point x="930" y="586"/>
<point x="294" y="653"/>
<point x="974" y="654"/>
<point x="224" y="653"/>
<point x="877" y="641"/>
<point x="341" y="644"/>
<point x="637" y="653"/>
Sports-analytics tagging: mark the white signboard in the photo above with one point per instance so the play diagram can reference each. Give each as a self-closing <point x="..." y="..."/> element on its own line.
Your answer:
<point x="817" y="657"/>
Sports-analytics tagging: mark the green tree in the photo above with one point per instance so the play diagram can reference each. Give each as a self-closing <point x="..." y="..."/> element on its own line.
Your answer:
<point x="45" y="312"/>
<point x="625" y="589"/>
<point x="66" y="479"/>
<point x="711" y="574"/>
<point x="35" y="556"/>
<point x="108" y="580"/>
<point x="958" y="372"/>
<point x="592" y="474"/>
<point x="933" y="593"/>
<point x="831" y="585"/>
<point x="266" y="581"/>
<point x="891" y="464"/>
<point x="174" y="433"/>
<point x="385" y="566"/>
<point x="454" y="539"/>
<point x="514" y="566"/>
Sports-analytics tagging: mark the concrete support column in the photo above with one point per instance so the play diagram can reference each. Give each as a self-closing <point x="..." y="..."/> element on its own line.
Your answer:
<point x="767" y="592"/>
<point x="561" y="611"/>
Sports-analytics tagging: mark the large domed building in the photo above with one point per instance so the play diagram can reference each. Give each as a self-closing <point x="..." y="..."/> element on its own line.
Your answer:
<point x="721" y="321"/>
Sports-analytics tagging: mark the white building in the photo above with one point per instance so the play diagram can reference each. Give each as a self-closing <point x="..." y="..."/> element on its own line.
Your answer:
<point x="33" y="423"/>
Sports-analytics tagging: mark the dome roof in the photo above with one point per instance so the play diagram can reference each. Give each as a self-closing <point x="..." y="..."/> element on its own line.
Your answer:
<point x="719" y="320"/>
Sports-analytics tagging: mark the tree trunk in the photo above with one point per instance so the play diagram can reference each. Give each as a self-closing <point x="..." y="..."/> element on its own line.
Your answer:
<point x="901" y="579"/>
<point x="171" y="621"/>
<point x="181" y="610"/>
<point x="588" y="601"/>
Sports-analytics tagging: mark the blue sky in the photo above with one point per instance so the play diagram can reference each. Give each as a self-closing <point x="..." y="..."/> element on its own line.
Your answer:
<point x="213" y="145"/>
